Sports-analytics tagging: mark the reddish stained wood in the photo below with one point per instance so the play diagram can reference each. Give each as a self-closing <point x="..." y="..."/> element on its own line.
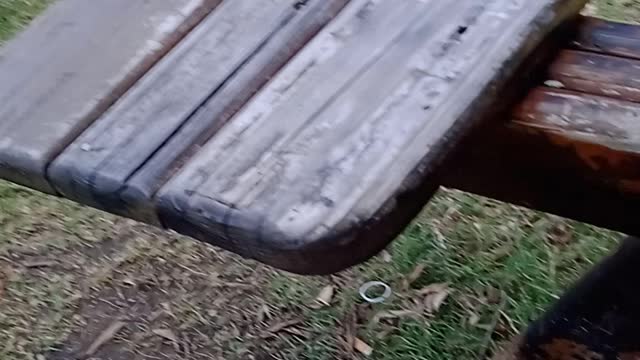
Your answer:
<point x="550" y="171"/>
<point x="573" y="151"/>
<point x="598" y="74"/>
<point x="601" y="132"/>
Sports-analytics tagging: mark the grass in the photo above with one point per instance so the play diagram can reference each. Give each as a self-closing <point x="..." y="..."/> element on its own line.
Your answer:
<point x="15" y="14"/>
<point x="504" y="265"/>
<point x="621" y="10"/>
<point x="475" y="245"/>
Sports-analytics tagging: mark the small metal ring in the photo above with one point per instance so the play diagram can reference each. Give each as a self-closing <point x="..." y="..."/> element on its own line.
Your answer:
<point x="371" y="284"/>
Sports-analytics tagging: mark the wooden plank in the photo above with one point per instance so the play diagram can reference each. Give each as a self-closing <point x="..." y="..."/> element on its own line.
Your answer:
<point x="587" y="126"/>
<point x="335" y="155"/>
<point x="105" y="155"/>
<point x="229" y="98"/>
<point x="609" y="37"/>
<point x="186" y="96"/>
<point x="597" y="74"/>
<point x="68" y="67"/>
<point x="567" y="151"/>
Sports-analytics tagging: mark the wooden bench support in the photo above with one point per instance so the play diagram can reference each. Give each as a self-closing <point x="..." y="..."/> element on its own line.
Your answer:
<point x="573" y="151"/>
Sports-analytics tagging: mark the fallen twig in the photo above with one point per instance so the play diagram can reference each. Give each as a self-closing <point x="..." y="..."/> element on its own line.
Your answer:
<point x="104" y="337"/>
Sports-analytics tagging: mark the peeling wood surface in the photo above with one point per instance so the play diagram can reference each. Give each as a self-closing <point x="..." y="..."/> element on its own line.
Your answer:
<point x="70" y="65"/>
<point x="356" y="120"/>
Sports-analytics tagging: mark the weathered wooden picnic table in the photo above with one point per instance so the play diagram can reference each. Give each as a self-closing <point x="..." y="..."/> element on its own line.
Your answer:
<point x="308" y="134"/>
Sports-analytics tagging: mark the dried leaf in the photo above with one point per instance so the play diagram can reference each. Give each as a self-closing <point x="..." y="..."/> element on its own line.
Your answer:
<point x="296" y="332"/>
<point x="233" y="285"/>
<point x="167" y="309"/>
<point x="403" y="313"/>
<point x="364" y="311"/>
<point x="493" y="295"/>
<point x="263" y="313"/>
<point x="509" y="321"/>
<point x="441" y="241"/>
<point x="186" y="349"/>
<point x="474" y="319"/>
<point x="386" y="256"/>
<point x="104" y="337"/>
<point x="509" y="350"/>
<point x="485" y="327"/>
<point x="362" y="347"/>
<point x="502" y="251"/>
<point x="469" y="302"/>
<point x="276" y="328"/>
<point x="155" y="315"/>
<point x="350" y="324"/>
<point x="166" y="334"/>
<point x="413" y="276"/>
<point x="324" y="297"/>
<point x="434" y="301"/>
<point x="39" y="264"/>
<point x="2" y="285"/>
<point x="560" y="234"/>
<point x="434" y="288"/>
<point x="435" y="295"/>
<point x="394" y="314"/>
<point x="590" y="10"/>
<point x="384" y="333"/>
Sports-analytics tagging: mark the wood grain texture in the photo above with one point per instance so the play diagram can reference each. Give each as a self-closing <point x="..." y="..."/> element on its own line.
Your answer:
<point x="568" y="153"/>
<point x="574" y="151"/>
<point x="578" y="116"/>
<point x="597" y="74"/>
<point x="608" y="37"/>
<point x="186" y="96"/>
<point x="240" y="86"/>
<point x="69" y="66"/>
<point x="334" y="155"/>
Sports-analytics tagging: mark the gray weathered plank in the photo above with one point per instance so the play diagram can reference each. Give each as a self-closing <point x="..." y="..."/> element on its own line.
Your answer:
<point x="186" y="96"/>
<point x="331" y="155"/>
<point x="72" y="64"/>
<point x="137" y="194"/>
<point x="118" y="143"/>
